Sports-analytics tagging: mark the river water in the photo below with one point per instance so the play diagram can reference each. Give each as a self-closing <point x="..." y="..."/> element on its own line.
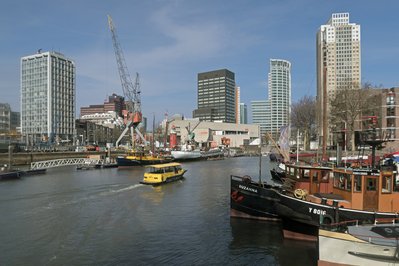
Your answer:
<point x="105" y="217"/>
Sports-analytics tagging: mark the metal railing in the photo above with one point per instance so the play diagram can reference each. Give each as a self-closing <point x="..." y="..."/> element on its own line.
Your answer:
<point x="63" y="162"/>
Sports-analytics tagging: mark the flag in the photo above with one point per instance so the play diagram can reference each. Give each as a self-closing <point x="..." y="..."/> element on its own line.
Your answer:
<point x="284" y="142"/>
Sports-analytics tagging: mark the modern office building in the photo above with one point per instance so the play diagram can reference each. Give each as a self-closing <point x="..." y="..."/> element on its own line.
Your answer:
<point x="260" y="115"/>
<point x="5" y="118"/>
<point x="338" y="65"/>
<point x="279" y="96"/>
<point x="216" y="96"/>
<point x="243" y="114"/>
<point x="48" y="95"/>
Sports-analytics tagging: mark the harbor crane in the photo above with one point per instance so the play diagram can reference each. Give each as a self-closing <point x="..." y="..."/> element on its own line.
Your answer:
<point x="131" y="91"/>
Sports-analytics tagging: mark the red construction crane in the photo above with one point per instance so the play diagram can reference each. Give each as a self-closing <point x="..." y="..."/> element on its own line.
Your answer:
<point x="130" y="90"/>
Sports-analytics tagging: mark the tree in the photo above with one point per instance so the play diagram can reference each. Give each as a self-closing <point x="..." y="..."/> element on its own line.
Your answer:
<point x="303" y="117"/>
<point x="350" y="104"/>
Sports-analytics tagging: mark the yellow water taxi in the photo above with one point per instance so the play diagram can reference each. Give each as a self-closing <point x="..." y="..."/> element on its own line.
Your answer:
<point x="163" y="173"/>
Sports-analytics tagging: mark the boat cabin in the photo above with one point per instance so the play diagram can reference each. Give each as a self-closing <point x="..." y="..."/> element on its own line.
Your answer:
<point x="355" y="188"/>
<point x="367" y="189"/>
<point x="312" y="179"/>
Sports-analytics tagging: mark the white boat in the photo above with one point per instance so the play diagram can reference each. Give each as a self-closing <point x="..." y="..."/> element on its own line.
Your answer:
<point x="360" y="245"/>
<point x="186" y="152"/>
<point x="213" y="153"/>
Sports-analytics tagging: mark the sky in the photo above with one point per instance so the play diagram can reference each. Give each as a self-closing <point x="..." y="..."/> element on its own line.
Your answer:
<point x="168" y="42"/>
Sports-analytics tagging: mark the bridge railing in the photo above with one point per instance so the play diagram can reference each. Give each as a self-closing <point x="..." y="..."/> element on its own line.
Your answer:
<point x="63" y="162"/>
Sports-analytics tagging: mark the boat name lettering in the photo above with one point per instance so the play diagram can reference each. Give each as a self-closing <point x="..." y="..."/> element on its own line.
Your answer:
<point x="317" y="211"/>
<point x="248" y="188"/>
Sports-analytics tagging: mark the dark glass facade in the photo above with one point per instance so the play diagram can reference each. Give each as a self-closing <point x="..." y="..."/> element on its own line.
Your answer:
<point x="216" y="96"/>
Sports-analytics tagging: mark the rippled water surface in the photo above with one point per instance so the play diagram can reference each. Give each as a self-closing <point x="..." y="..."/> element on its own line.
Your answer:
<point x="105" y="217"/>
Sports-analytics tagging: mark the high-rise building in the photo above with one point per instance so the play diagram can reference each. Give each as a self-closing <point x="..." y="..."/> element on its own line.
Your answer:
<point x="5" y="117"/>
<point x="243" y="114"/>
<point x="48" y="96"/>
<point x="260" y="114"/>
<point x="338" y="65"/>
<point x="237" y="104"/>
<point x="279" y="96"/>
<point x="216" y="96"/>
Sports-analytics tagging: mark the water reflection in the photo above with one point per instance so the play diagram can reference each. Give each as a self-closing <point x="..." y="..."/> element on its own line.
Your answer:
<point x="262" y="242"/>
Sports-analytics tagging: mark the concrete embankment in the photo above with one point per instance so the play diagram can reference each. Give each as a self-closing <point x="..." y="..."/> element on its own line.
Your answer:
<point x="21" y="158"/>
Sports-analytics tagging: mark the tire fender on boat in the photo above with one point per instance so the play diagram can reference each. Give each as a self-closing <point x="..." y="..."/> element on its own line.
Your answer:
<point x="326" y="219"/>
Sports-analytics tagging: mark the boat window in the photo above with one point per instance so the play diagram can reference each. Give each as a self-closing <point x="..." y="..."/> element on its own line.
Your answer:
<point x="386" y="184"/>
<point x="396" y="183"/>
<point x="324" y="175"/>
<point x="371" y="184"/>
<point x="348" y="182"/>
<point x="358" y="183"/>
<point x="339" y="180"/>
<point x="314" y="176"/>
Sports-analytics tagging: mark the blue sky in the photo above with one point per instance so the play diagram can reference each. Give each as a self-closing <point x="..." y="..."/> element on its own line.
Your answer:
<point x="169" y="42"/>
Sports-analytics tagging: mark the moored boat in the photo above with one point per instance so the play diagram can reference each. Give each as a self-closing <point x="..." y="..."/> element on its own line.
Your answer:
<point x="252" y="199"/>
<point x="375" y="244"/>
<point x="163" y="173"/>
<point x="139" y="158"/>
<point x="348" y="194"/>
<point x="186" y="152"/>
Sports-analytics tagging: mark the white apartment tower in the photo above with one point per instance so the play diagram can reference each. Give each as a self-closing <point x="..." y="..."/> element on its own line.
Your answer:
<point x="48" y="97"/>
<point x="279" y="96"/>
<point x="338" y="65"/>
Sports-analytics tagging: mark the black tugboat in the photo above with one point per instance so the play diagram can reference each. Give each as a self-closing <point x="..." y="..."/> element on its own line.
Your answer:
<point x="313" y="195"/>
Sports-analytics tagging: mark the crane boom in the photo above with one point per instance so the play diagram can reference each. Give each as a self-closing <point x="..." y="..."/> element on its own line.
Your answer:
<point x="130" y="90"/>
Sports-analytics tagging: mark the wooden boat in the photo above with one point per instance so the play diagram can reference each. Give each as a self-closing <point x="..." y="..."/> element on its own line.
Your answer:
<point x="163" y="173"/>
<point x="346" y="194"/>
<point x="139" y="158"/>
<point x="314" y="195"/>
<point x="375" y="244"/>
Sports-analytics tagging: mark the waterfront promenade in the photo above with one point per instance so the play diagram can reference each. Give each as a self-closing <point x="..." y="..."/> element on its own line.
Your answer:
<point x="26" y="158"/>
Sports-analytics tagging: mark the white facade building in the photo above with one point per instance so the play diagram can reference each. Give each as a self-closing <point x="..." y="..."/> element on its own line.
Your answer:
<point x="338" y="63"/>
<point x="279" y="96"/>
<point x="48" y="96"/>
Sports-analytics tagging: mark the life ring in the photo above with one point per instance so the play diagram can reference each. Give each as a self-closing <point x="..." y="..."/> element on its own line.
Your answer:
<point x="300" y="193"/>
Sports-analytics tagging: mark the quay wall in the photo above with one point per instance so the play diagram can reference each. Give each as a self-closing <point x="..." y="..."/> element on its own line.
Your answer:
<point x="22" y="158"/>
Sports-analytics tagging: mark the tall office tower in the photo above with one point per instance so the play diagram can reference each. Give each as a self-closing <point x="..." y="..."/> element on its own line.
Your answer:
<point x="5" y="118"/>
<point x="237" y="105"/>
<point x="216" y="96"/>
<point x="279" y="96"/>
<point x="243" y="114"/>
<point x="260" y="115"/>
<point x="47" y="98"/>
<point x="338" y="65"/>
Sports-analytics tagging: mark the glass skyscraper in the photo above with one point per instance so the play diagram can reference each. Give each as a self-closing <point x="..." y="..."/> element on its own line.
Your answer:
<point x="48" y="97"/>
<point x="260" y="115"/>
